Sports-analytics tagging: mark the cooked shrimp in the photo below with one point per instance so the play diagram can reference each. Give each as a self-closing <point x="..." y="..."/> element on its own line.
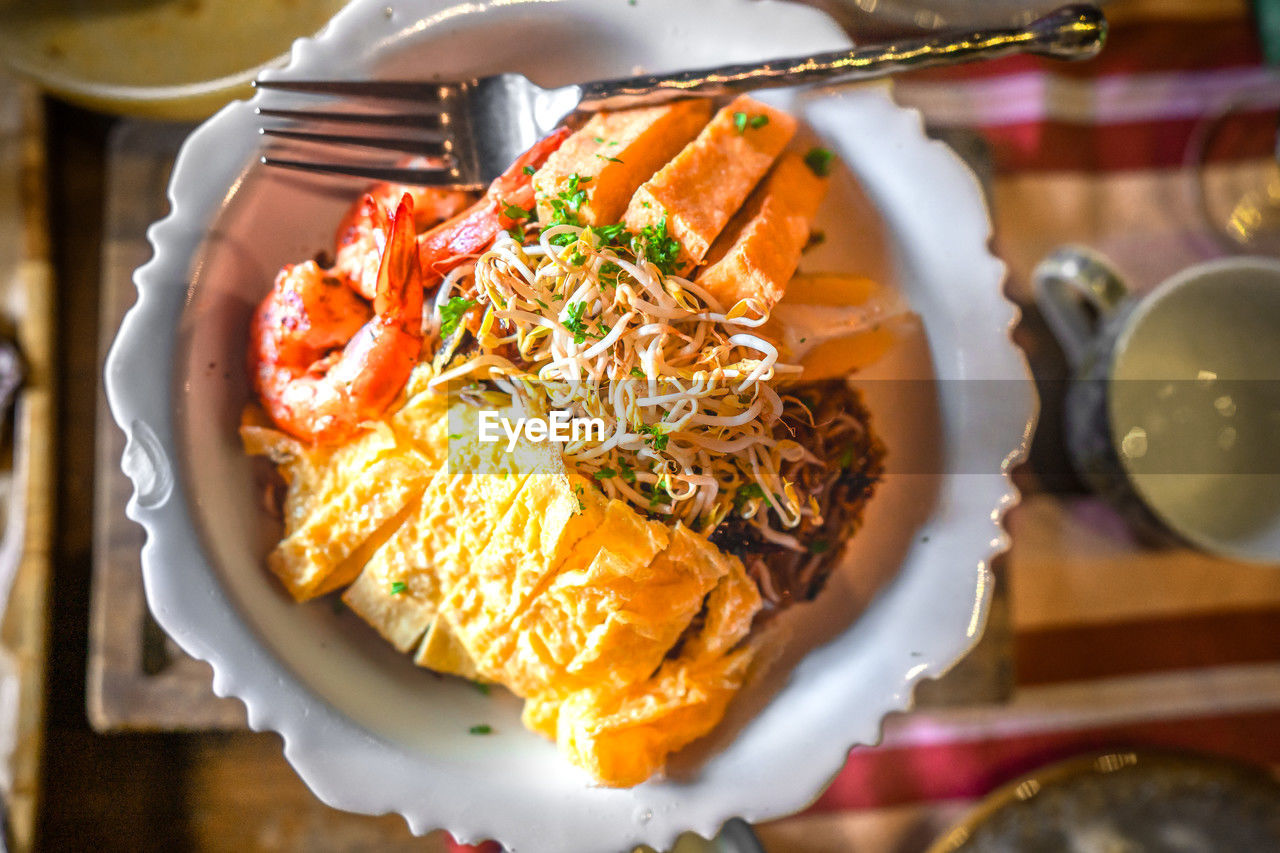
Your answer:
<point x="471" y="231"/>
<point x="321" y="360"/>
<point x="362" y="233"/>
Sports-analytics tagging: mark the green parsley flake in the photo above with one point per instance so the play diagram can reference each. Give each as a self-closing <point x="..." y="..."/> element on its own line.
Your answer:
<point x="657" y="246"/>
<point x="605" y="473"/>
<point x="638" y="373"/>
<point x="482" y="729"/>
<point x="512" y="211"/>
<point x="565" y="205"/>
<point x="398" y="587"/>
<point x="577" y="491"/>
<point x="609" y="159"/>
<point x="454" y="436"/>
<point x="574" y="322"/>
<point x="657" y="435"/>
<point x="608" y="233"/>
<point x="819" y="161"/>
<point x="451" y="313"/>
<point x="758" y="122"/>
<point x="749" y="491"/>
<point x="740" y="122"/>
<point x="529" y="170"/>
<point x="628" y="473"/>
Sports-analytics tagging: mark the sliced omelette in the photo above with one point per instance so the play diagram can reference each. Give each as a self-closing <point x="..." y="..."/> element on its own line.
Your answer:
<point x="399" y="590"/>
<point x="623" y="734"/>
<point x="338" y="499"/>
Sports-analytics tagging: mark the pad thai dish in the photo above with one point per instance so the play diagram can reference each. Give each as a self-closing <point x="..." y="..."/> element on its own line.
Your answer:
<point x="630" y="277"/>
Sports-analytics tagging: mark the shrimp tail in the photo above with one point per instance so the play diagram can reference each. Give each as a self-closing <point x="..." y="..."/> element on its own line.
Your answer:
<point x="388" y="347"/>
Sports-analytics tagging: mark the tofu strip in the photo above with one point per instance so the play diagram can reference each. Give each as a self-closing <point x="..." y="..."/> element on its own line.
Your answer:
<point x="613" y="154"/>
<point x="760" y="250"/>
<point x="703" y="185"/>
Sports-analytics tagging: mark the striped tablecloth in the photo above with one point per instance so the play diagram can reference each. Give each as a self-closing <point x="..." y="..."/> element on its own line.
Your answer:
<point x="1116" y="644"/>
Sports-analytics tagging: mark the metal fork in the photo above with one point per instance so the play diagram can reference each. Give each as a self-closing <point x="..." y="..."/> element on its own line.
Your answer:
<point x="471" y="130"/>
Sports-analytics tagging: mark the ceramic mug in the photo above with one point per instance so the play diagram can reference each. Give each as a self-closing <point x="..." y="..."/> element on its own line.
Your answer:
<point x="1174" y="411"/>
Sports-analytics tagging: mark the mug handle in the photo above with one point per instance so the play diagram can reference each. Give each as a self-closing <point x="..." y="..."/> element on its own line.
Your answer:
<point x="1070" y="276"/>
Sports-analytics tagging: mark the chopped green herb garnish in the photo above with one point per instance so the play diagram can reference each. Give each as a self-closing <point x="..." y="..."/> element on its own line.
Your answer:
<point x="747" y="492"/>
<point x="577" y="258"/>
<point x="577" y="492"/>
<point x="482" y="729"/>
<point x="819" y="161"/>
<point x="846" y="458"/>
<point x="517" y="233"/>
<point x="609" y="274"/>
<point x="565" y="205"/>
<point x="657" y="435"/>
<point x="398" y="587"/>
<point x="628" y="474"/>
<point x="819" y="546"/>
<point x="529" y="170"/>
<point x="542" y="305"/>
<point x="605" y="473"/>
<point x="655" y="244"/>
<point x="557" y="297"/>
<point x="740" y="122"/>
<point x="607" y="233"/>
<point x="638" y="373"/>
<point x="481" y="686"/>
<point x="609" y="159"/>
<point x="758" y="121"/>
<point x="574" y="322"/>
<point x="513" y="211"/>
<point x="451" y="312"/>
<point x="454" y="436"/>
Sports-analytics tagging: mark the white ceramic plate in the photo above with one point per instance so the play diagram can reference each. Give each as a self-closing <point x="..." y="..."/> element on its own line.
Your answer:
<point x="367" y="730"/>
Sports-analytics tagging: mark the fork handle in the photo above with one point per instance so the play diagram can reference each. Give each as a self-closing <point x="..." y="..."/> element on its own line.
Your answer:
<point x="1070" y="32"/>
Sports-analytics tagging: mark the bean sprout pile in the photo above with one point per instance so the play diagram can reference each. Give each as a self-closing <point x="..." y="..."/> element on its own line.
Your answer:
<point x="576" y="320"/>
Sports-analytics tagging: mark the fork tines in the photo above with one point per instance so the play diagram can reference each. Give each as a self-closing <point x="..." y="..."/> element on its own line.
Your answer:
<point x="423" y="132"/>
